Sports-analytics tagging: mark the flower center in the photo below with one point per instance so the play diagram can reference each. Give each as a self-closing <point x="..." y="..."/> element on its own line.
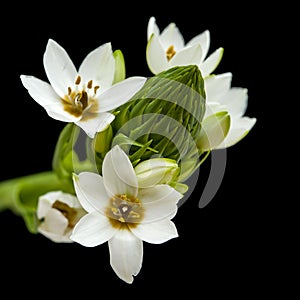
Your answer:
<point x="170" y="52"/>
<point x="124" y="210"/>
<point x="69" y="212"/>
<point x="81" y="98"/>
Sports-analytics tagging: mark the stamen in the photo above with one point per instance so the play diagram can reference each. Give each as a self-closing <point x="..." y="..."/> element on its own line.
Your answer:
<point x="69" y="91"/>
<point x="78" y="80"/>
<point x="90" y="84"/>
<point x="170" y="52"/>
<point x="96" y="88"/>
<point x="127" y="210"/>
<point x="69" y="212"/>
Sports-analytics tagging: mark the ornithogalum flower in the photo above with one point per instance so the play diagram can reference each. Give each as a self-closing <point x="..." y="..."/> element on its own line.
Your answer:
<point x="224" y="123"/>
<point x="167" y="49"/>
<point x="122" y="213"/>
<point x="58" y="213"/>
<point x="85" y="97"/>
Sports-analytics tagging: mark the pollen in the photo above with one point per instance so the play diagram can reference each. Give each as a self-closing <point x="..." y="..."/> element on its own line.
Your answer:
<point x="125" y="211"/>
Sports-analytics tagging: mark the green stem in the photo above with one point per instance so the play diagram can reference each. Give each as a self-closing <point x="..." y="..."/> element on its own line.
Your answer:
<point x="21" y="194"/>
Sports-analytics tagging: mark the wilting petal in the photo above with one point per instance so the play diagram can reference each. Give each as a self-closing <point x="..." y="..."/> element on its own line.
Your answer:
<point x="118" y="174"/>
<point x="210" y="64"/>
<point x="120" y="93"/>
<point x="99" y="65"/>
<point x="187" y="56"/>
<point x="90" y="191"/>
<point x="156" y="232"/>
<point x="156" y="56"/>
<point x="92" y="230"/>
<point x="92" y="123"/>
<point x="59" y="68"/>
<point x="126" y="255"/>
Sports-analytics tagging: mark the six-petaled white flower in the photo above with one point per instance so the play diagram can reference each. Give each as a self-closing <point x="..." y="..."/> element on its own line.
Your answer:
<point x="224" y="123"/>
<point x="58" y="213"/>
<point x="85" y="97"/>
<point x="122" y="213"/>
<point x="168" y="49"/>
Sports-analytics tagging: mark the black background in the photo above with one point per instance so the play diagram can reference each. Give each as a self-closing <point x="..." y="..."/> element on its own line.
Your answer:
<point x="223" y="247"/>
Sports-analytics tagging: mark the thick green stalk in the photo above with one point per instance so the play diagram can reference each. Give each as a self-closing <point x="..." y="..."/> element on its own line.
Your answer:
<point x="20" y="195"/>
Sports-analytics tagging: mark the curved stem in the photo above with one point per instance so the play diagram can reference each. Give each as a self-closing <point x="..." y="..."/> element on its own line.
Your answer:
<point x="21" y="194"/>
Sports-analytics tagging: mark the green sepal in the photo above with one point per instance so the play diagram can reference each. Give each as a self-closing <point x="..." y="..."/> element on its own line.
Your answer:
<point x="120" y="70"/>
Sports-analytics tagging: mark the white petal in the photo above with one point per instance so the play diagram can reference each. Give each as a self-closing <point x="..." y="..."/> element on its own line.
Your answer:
<point x="214" y="130"/>
<point x="126" y="255"/>
<point x="45" y="201"/>
<point x="90" y="191"/>
<point x="156" y="232"/>
<point x="210" y="64"/>
<point x="213" y="108"/>
<point x="216" y="86"/>
<point x="92" y="230"/>
<point x="171" y="36"/>
<point x="159" y="202"/>
<point x="57" y="112"/>
<point x="239" y="129"/>
<point x="55" y="222"/>
<point x="118" y="174"/>
<point x="41" y="91"/>
<point x="156" y="56"/>
<point x="204" y="40"/>
<point x="120" y="93"/>
<point x="236" y="101"/>
<point x="59" y="68"/>
<point x="57" y="238"/>
<point x="93" y="123"/>
<point x="152" y="28"/>
<point x="187" y="56"/>
<point x="99" y="65"/>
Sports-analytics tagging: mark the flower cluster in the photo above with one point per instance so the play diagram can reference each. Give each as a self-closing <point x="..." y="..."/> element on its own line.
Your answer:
<point x="143" y="138"/>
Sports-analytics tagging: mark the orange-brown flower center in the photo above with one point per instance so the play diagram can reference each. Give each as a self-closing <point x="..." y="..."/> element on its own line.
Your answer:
<point x="125" y="211"/>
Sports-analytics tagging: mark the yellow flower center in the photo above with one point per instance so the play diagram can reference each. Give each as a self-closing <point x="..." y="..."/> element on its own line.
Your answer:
<point x="125" y="211"/>
<point x="170" y="52"/>
<point x="77" y="100"/>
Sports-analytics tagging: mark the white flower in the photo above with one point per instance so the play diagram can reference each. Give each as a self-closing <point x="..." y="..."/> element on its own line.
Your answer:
<point x="224" y="123"/>
<point x="84" y="97"/>
<point x="58" y="212"/>
<point x="168" y="49"/>
<point x="122" y="214"/>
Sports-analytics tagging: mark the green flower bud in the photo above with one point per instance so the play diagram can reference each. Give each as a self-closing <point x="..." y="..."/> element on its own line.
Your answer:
<point x="156" y="171"/>
<point x="164" y="118"/>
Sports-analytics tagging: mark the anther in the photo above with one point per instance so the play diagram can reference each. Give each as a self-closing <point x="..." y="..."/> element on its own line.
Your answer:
<point x="96" y="88"/>
<point x="90" y="84"/>
<point x="78" y="80"/>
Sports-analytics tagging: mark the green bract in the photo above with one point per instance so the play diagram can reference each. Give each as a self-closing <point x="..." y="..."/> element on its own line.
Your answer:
<point x="163" y="119"/>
